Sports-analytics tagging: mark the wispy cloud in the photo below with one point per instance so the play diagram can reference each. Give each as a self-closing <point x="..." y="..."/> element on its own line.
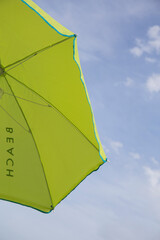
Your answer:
<point x="154" y="161"/>
<point x="135" y="155"/>
<point x="150" y="60"/>
<point x="129" y="82"/>
<point x="116" y="146"/>
<point x="154" y="179"/>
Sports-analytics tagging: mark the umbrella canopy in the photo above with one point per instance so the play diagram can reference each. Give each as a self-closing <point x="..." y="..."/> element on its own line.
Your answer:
<point x="48" y="137"/>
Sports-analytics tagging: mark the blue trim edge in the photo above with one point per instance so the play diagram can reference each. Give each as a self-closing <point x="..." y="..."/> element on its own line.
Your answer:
<point x="3" y="199"/>
<point x="92" y="171"/>
<point x="104" y="160"/>
<point x="47" y="21"/>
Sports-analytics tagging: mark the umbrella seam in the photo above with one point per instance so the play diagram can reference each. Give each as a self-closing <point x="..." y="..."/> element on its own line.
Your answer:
<point x="34" y="143"/>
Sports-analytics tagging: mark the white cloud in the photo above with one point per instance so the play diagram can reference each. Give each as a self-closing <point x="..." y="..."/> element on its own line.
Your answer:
<point x="155" y="45"/>
<point x="149" y="45"/>
<point x="135" y="155"/>
<point x="136" y="51"/>
<point x="154" y="32"/>
<point x="116" y="146"/>
<point x="140" y="48"/>
<point x="153" y="83"/>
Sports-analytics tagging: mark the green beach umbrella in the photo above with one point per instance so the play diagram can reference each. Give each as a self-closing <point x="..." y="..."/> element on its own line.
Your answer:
<point x="48" y="137"/>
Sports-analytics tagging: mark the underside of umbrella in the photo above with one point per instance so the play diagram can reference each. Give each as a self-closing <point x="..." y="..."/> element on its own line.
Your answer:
<point x="48" y="137"/>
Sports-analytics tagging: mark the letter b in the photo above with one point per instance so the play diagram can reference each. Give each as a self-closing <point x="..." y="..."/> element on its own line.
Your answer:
<point x="10" y="130"/>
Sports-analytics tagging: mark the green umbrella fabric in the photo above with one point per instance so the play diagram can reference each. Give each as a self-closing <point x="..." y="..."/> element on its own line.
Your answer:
<point x="48" y="137"/>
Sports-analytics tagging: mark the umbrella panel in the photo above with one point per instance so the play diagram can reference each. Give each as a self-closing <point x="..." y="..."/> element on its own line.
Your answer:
<point x="21" y="172"/>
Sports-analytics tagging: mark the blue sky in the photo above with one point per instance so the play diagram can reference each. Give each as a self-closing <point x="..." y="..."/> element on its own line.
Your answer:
<point x="119" y="48"/>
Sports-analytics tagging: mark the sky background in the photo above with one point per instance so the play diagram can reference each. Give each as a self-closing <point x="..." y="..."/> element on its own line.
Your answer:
<point x="119" y="48"/>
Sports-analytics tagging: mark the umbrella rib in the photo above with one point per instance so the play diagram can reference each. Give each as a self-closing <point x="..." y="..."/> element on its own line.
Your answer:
<point x="21" y="61"/>
<point x="56" y="109"/>
<point x="30" y="131"/>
